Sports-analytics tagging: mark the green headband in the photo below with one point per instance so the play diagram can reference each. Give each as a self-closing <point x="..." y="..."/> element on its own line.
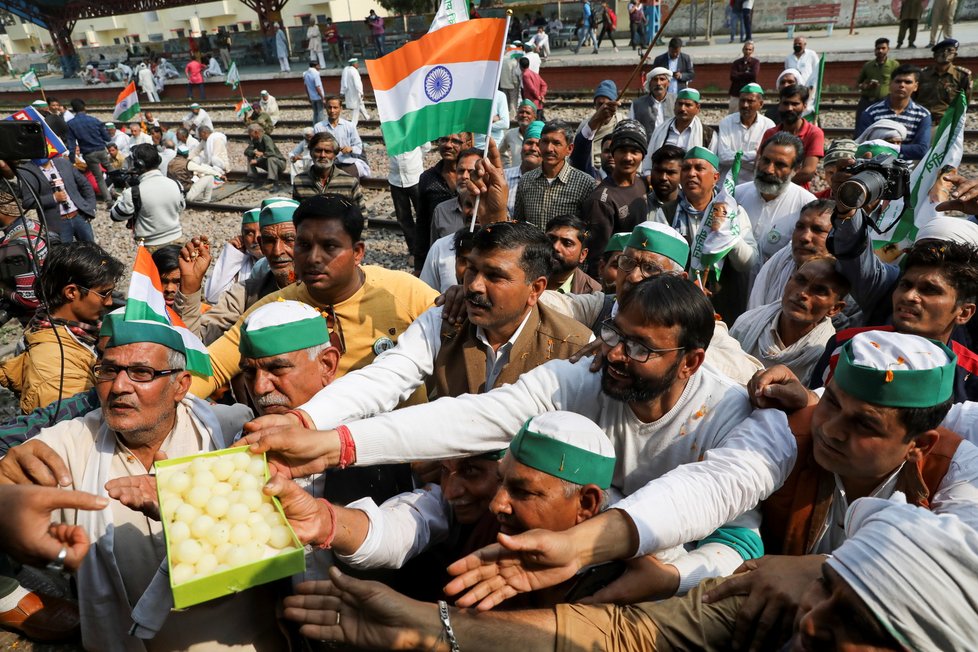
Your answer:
<point x="250" y="217"/>
<point x="876" y="150"/>
<point x="133" y="332"/>
<point x="704" y="154"/>
<point x="645" y="239"/>
<point x="617" y="242"/>
<point x="689" y="94"/>
<point x="276" y="213"/>
<point x="534" y="130"/>
<point x="284" y="338"/>
<point x="752" y="88"/>
<point x="560" y="459"/>
<point x="900" y="388"/>
<point x="528" y="103"/>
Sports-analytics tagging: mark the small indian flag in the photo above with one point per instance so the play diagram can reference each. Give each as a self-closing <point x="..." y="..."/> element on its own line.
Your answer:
<point x="443" y="83"/>
<point x="146" y="303"/>
<point x="30" y="81"/>
<point x="127" y="104"/>
<point x="233" y="78"/>
<point x="242" y="109"/>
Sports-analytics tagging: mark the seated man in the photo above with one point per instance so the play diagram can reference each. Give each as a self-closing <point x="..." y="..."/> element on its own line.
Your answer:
<point x="793" y="332"/>
<point x="212" y="150"/>
<point x="263" y="157"/>
<point x="146" y="414"/>
<point x="300" y="158"/>
<point x="195" y="179"/>
<point x="276" y="238"/>
<point x="237" y="259"/>
<point x="78" y="281"/>
<point x="167" y="261"/>
<point x="323" y="176"/>
<point x="903" y="580"/>
<point x="505" y="332"/>
<point x="554" y="475"/>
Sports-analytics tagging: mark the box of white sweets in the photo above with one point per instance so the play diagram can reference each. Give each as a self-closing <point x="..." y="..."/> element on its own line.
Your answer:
<point x="223" y="535"/>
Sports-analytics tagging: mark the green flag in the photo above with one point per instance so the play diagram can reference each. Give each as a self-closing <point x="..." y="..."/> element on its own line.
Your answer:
<point x="233" y="78"/>
<point x="813" y="116"/>
<point x="30" y="81"/>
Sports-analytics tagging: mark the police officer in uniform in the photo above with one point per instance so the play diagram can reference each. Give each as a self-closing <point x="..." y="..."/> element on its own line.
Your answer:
<point x="941" y="81"/>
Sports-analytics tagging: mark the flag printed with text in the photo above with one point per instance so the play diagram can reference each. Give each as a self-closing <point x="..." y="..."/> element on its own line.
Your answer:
<point x="232" y="79"/>
<point x="449" y="12"/>
<point x="440" y="84"/>
<point x="127" y="104"/>
<point x="54" y="144"/>
<point x="146" y="303"/>
<point x="30" y="81"/>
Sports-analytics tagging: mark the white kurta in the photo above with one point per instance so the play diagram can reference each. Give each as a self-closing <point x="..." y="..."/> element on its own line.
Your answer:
<point x="351" y="87"/>
<point x="697" y="468"/>
<point x="732" y="137"/>
<point x="439" y="265"/>
<point x="773" y="221"/>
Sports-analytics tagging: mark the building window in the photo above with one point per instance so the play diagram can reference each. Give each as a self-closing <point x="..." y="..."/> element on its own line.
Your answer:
<point x="155" y="38"/>
<point x="117" y="41"/>
<point x="152" y="17"/>
<point x="246" y="26"/>
<point x="233" y="28"/>
<point x="135" y="38"/>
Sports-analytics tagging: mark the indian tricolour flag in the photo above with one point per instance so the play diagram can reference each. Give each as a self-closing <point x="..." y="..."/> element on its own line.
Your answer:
<point x="443" y="83"/>
<point x="127" y="104"/>
<point x="146" y="303"/>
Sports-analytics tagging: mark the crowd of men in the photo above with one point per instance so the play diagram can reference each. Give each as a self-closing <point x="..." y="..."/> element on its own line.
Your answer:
<point x="653" y="385"/>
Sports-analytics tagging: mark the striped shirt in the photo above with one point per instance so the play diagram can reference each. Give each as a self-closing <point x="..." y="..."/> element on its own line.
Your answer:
<point x="915" y="118"/>
<point x="539" y="199"/>
<point x="337" y="182"/>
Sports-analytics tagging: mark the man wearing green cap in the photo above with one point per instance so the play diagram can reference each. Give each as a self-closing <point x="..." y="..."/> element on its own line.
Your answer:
<point x="685" y="129"/>
<point x="741" y="132"/>
<point x="529" y="159"/>
<point x="509" y="149"/>
<point x="197" y="118"/>
<point x="275" y="240"/>
<point x="715" y="226"/>
<point x="146" y="414"/>
<point x="608" y="264"/>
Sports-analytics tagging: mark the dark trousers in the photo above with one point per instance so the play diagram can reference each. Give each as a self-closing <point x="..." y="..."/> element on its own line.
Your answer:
<point x="190" y="90"/>
<point x="96" y="161"/>
<point x="405" y="201"/>
<point x="904" y="26"/>
<point x="76" y="229"/>
<point x="606" y="31"/>
<point x="748" y="17"/>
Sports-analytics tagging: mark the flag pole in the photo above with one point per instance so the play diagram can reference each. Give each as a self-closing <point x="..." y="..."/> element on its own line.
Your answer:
<point x="495" y="88"/>
<point x="648" y="50"/>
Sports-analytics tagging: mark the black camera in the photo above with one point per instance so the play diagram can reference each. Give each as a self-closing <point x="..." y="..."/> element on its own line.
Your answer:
<point x="881" y="177"/>
<point x="122" y="179"/>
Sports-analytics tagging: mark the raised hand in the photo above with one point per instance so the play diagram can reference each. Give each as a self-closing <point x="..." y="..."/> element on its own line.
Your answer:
<point x="778" y="388"/>
<point x="294" y="451"/>
<point x="195" y="258"/>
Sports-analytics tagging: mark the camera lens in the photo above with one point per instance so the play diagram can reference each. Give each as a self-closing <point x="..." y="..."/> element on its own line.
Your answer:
<point x="863" y="188"/>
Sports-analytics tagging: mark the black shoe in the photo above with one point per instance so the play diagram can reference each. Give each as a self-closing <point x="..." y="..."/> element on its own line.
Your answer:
<point x="899" y="45"/>
<point x="912" y="46"/>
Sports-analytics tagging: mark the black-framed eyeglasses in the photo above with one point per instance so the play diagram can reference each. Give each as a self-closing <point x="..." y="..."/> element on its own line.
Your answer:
<point x="637" y="351"/>
<point x="137" y="373"/>
<point x="335" y="329"/>
<point x="648" y="269"/>
<point x="104" y="296"/>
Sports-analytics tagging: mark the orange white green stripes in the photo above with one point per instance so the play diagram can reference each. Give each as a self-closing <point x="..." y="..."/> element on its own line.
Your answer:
<point x="127" y="104"/>
<point x="146" y="303"/>
<point x="440" y="84"/>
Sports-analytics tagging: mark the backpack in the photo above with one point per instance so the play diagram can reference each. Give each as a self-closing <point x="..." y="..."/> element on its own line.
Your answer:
<point x="612" y="18"/>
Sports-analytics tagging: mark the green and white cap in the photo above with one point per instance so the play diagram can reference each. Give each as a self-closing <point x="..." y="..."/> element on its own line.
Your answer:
<point x="195" y="105"/>
<point x="274" y="200"/>
<point x="251" y="217"/>
<point x="566" y="445"/>
<point x="877" y="147"/>
<point x="689" y="94"/>
<point x="39" y="103"/>
<point x="896" y="370"/>
<point x="276" y="212"/>
<point x="134" y="331"/>
<point x="282" y="327"/>
<point x="703" y="154"/>
<point x="660" y="239"/>
<point x="617" y="242"/>
<point x="110" y="125"/>
<point x="752" y="88"/>
<point x="109" y="322"/>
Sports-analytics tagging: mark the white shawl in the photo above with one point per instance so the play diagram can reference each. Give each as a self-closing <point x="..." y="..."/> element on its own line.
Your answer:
<point x="756" y="330"/>
<point x="661" y="133"/>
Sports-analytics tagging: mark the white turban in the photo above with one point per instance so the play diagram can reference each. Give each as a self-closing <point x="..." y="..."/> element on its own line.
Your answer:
<point x="952" y="229"/>
<point x="885" y="129"/>
<point x="916" y="571"/>
<point x="794" y="72"/>
<point x="655" y="72"/>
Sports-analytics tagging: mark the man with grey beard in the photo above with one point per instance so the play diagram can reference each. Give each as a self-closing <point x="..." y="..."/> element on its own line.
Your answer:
<point x="323" y="177"/>
<point x="772" y="201"/>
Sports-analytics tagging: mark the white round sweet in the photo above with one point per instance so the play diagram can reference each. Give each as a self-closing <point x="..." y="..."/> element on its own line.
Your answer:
<point x="201" y="526"/>
<point x="260" y="532"/>
<point x="198" y="496"/>
<point x="273" y="519"/>
<point x="256" y="467"/>
<point x="200" y="464"/>
<point x="221" y="552"/>
<point x="182" y="573"/>
<point x="188" y="552"/>
<point x="240" y="534"/>
<point x="185" y="513"/>
<point x="256" y="551"/>
<point x="219" y="534"/>
<point x="237" y="513"/>
<point x="206" y="564"/>
<point x="266" y="507"/>
<point x="240" y="460"/>
<point x="178" y="482"/>
<point x="179" y="531"/>
<point x="237" y="556"/>
<point x="251" y="499"/>
<point x="247" y="482"/>
<point x="217" y="506"/>
<point x="254" y="517"/>
<point x="204" y="479"/>
<point x="222" y="468"/>
<point x="222" y="489"/>
<point x="280" y="537"/>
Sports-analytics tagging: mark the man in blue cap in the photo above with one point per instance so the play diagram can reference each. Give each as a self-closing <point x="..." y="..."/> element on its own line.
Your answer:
<point x="605" y="93"/>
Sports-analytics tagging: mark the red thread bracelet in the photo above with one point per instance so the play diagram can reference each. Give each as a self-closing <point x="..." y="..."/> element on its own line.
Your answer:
<point x="327" y="544"/>
<point x="348" y="449"/>
<point x="303" y="421"/>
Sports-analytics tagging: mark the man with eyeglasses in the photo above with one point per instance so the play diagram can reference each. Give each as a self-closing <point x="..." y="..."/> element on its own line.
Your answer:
<point x="325" y="176"/>
<point x="77" y="283"/>
<point x="692" y="461"/>
<point x="146" y="415"/>
<point x="349" y="146"/>
<point x="368" y="305"/>
<point x="435" y="185"/>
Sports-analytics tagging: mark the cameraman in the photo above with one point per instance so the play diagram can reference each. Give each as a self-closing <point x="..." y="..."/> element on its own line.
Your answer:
<point x="152" y="205"/>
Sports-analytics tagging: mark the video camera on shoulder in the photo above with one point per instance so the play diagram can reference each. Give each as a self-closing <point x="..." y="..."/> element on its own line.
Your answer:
<point x="122" y="179"/>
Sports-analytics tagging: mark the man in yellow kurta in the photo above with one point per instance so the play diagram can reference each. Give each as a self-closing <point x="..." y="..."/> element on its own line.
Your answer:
<point x="366" y="306"/>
